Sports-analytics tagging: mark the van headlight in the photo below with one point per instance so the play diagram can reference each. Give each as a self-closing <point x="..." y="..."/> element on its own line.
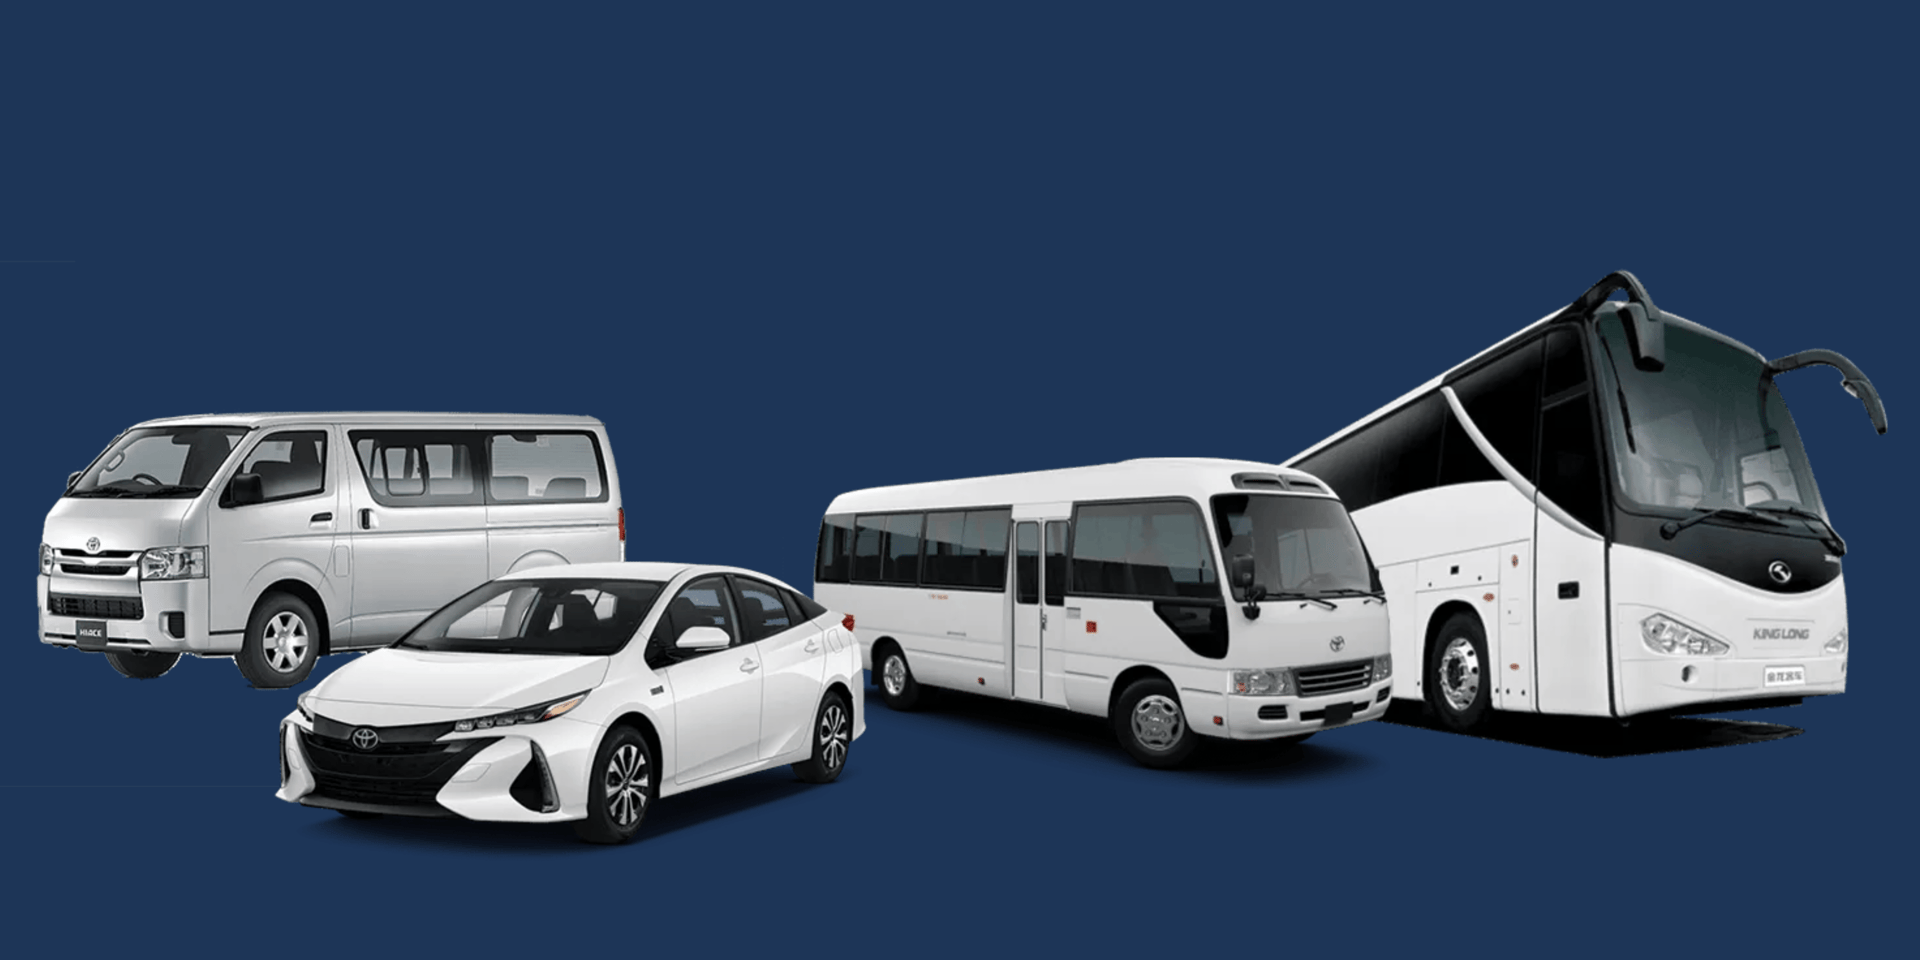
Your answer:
<point x="46" y="559"/>
<point x="173" y="563"/>
<point x="1839" y="642"/>
<point x="1663" y="634"/>
<point x="1260" y="683"/>
<point x="1382" y="666"/>
<point x="522" y="716"/>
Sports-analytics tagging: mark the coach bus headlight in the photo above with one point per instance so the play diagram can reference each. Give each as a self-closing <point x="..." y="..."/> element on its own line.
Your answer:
<point x="1260" y="683"/>
<point x="1382" y="666"/>
<point x="1839" y="642"/>
<point x="1664" y="635"/>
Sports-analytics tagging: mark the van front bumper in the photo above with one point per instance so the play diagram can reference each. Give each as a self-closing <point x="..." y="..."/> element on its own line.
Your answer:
<point x="156" y="616"/>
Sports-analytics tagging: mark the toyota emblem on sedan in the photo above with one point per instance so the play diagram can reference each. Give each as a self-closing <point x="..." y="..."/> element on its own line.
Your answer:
<point x="1337" y="644"/>
<point x="366" y="738"/>
<point x="93" y="544"/>
<point x="1779" y="571"/>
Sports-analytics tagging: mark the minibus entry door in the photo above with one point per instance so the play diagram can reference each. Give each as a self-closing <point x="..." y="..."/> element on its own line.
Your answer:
<point x="1039" y="608"/>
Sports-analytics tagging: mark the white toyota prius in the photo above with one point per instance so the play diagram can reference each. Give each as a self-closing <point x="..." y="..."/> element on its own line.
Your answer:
<point x="581" y="693"/>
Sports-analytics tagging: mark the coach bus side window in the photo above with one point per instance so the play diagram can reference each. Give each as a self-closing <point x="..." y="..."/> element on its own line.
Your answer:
<point x="1503" y="398"/>
<point x="1144" y="549"/>
<point x="1409" y="449"/>
<point x="1569" y="455"/>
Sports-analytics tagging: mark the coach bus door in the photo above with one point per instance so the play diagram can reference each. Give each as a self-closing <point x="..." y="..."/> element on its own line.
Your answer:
<point x="1039" y="621"/>
<point x="1570" y="553"/>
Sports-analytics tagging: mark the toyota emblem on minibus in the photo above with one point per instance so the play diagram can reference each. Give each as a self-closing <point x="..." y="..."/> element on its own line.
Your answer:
<point x="1779" y="571"/>
<point x="1337" y="643"/>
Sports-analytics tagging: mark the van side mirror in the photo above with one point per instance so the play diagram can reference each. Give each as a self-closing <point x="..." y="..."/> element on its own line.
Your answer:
<point x="702" y="639"/>
<point x="244" y="489"/>
<point x="73" y="477"/>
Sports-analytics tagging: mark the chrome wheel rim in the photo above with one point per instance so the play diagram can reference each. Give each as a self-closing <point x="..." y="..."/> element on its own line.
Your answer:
<point x="1157" y="724"/>
<point x="834" y="736"/>
<point x="1459" y="674"/>
<point x="893" y="674"/>
<point x="626" y="784"/>
<point x="285" y="641"/>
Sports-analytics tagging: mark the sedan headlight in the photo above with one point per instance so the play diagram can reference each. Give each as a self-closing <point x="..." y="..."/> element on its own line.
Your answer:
<point x="1382" y="667"/>
<point x="1663" y="634"/>
<point x="524" y="715"/>
<point x="1260" y="683"/>
<point x="1839" y="642"/>
<point x="173" y="563"/>
<point x="46" y="559"/>
<point x="300" y="703"/>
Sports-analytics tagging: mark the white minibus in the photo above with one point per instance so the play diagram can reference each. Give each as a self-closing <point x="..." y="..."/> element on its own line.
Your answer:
<point x="274" y="538"/>
<point x="1114" y="603"/>
<point x="1608" y="513"/>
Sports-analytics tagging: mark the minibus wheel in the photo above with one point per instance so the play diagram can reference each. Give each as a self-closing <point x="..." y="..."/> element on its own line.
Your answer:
<point x="832" y="738"/>
<point x="623" y="785"/>
<point x="1151" y="725"/>
<point x="897" y="686"/>
<point x="282" y="641"/>
<point x="141" y="665"/>
<point x="1458" y="688"/>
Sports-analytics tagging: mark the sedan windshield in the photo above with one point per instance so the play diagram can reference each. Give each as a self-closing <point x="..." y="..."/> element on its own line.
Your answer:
<point x="159" y="463"/>
<point x="1301" y="546"/>
<point x="582" y="617"/>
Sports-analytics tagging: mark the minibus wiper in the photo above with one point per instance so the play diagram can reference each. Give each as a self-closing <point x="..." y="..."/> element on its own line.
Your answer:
<point x="1672" y="528"/>
<point x="1309" y="597"/>
<point x="1832" y="537"/>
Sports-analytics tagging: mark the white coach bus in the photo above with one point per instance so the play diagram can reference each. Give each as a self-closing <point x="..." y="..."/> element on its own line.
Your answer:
<point x="1608" y="513"/>
<point x="1114" y="604"/>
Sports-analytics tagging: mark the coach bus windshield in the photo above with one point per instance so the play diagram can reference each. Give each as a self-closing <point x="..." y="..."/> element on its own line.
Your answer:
<point x="1709" y="432"/>
<point x="1301" y="546"/>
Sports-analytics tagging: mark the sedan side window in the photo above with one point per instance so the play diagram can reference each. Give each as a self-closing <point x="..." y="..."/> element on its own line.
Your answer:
<point x="702" y="603"/>
<point x="762" y="612"/>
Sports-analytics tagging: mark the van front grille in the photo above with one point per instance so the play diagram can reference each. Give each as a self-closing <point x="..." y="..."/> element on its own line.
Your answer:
<point x="1332" y="678"/>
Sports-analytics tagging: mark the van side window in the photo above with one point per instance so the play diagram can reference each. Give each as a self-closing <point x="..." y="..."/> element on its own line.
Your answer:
<point x="290" y="464"/>
<point x="545" y="467"/>
<point x="1148" y="549"/>
<point x="418" y="468"/>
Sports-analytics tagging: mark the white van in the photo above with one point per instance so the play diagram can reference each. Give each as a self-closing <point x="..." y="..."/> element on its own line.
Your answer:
<point x="274" y="538"/>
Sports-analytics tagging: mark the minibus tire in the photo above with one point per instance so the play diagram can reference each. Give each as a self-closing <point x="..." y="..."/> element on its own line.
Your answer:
<point x="278" y="612"/>
<point x="141" y="665"/>
<point x="832" y="726"/>
<point x="624" y="746"/>
<point x="1463" y="641"/>
<point x="1158" y="696"/>
<point x="909" y="694"/>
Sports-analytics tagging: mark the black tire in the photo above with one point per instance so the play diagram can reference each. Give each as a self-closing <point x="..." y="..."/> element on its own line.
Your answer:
<point x="625" y="781"/>
<point x="141" y="665"/>
<point x="1459" y="680"/>
<point x="832" y="739"/>
<point x="898" y="688"/>
<point x="282" y="642"/>
<point x="1159" y="736"/>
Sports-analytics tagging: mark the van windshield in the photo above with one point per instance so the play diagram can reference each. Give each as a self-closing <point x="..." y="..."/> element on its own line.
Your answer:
<point x="1301" y="546"/>
<point x="159" y="463"/>
<point x="572" y="616"/>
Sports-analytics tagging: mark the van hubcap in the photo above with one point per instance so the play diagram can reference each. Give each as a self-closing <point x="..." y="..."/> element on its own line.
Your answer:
<point x="285" y="642"/>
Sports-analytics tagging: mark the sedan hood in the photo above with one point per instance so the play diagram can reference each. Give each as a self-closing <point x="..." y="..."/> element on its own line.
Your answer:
<point x="460" y="681"/>
<point x="119" y="524"/>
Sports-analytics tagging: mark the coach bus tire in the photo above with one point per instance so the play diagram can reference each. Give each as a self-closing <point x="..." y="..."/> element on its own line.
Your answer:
<point x="141" y="665"/>
<point x="1151" y="725"/>
<point x="282" y="641"/>
<point x="1458" y="688"/>
<point x="897" y="686"/>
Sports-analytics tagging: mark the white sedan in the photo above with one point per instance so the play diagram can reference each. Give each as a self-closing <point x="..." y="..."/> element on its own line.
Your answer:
<point x="581" y="693"/>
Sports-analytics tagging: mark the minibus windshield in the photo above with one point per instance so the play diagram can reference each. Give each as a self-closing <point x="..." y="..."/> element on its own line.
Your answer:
<point x="1301" y="546"/>
<point x="567" y="617"/>
<point x="159" y="463"/>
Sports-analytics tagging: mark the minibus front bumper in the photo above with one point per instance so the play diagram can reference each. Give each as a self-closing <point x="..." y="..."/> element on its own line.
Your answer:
<point x="154" y="616"/>
<point x="1266" y="718"/>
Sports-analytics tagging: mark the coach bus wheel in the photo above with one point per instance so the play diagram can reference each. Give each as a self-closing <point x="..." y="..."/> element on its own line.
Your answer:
<point x="282" y="641"/>
<point x="1458" y="688"/>
<point x="1150" y="724"/>
<point x="140" y="665"/>
<point x="897" y="686"/>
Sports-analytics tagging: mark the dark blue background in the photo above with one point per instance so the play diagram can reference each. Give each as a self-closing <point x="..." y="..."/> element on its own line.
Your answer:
<point x="785" y="253"/>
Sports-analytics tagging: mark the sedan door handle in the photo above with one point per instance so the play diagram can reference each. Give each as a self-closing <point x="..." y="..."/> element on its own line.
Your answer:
<point x="325" y="516"/>
<point x="813" y="645"/>
<point x="748" y="666"/>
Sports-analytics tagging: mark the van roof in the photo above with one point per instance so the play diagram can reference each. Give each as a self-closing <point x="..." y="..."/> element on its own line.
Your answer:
<point x="1195" y="477"/>
<point x="375" y="417"/>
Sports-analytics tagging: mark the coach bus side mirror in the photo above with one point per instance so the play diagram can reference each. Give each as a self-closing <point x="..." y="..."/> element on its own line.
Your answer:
<point x="1853" y="381"/>
<point x="1241" y="569"/>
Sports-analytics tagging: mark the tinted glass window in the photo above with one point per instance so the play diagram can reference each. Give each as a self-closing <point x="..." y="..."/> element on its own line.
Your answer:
<point x="1566" y="369"/>
<point x="159" y="462"/>
<point x="1056" y="570"/>
<point x="900" y="553"/>
<point x="1027" y="564"/>
<point x="867" y="534"/>
<point x="967" y="549"/>
<point x="703" y="603"/>
<point x="1408" y="442"/>
<point x="762" y="611"/>
<point x="833" y="562"/>
<point x="1460" y="458"/>
<point x="559" y="616"/>
<point x="1569" y="461"/>
<point x="544" y="466"/>
<point x="806" y="607"/>
<point x="408" y="468"/>
<point x="1300" y="545"/>
<point x="1503" y="398"/>
<point x="1348" y="467"/>
<point x="1153" y="548"/>
<point x="290" y="464"/>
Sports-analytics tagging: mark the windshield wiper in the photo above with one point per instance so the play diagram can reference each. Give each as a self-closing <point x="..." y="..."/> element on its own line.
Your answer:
<point x="1309" y="597"/>
<point x="1672" y="528"/>
<point x="1832" y="537"/>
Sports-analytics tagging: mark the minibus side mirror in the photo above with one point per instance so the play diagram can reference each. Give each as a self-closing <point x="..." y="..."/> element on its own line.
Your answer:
<point x="244" y="489"/>
<point x="702" y="639"/>
<point x="1241" y="570"/>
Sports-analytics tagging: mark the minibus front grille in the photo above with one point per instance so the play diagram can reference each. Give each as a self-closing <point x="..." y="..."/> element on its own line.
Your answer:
<point x="1332" y="678"/>
<point x="105" y="608"/>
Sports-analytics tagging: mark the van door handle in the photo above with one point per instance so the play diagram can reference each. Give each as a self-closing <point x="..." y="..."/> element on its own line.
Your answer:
<point x="324" y="516"/>
<point x="366" y="518"/>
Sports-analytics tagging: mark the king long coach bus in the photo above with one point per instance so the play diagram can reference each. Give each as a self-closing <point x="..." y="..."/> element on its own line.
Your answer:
<point x="1608" y="513"/>
<point x="1114" y="604"/>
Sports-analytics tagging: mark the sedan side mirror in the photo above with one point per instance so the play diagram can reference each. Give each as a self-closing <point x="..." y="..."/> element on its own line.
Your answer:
<point x="702" y="639"/>
<point x="244" y="489"/>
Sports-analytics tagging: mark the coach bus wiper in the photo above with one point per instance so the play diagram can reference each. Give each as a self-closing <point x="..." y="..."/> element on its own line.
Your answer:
<point x="1672" y="528"/>
<point x="1832" y="537"/>
<point x="1309" y="597"/>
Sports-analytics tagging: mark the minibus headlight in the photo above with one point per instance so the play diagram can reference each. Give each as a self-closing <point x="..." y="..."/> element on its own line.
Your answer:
<point x="1839" y="642"/>
<point x="1663" y="634"/>
<point x="524" y="715"/>
<point x="1260" y="683"/>
<point x="173" y="563"/>
<point x="46" y="558"/>
<point x="1382" y="667"/>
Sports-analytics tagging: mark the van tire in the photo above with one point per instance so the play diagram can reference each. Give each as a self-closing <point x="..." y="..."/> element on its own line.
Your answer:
<point x="1459" y="687"/>
<point x="140" y="665"/>
<point x="1159" y="737"/>
<point x="282" y="642"/>
<point x="897" y="686"/>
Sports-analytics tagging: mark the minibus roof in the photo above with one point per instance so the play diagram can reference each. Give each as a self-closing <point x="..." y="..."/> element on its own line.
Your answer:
<point x="368" y="418"/>
<point x="1194" y="477"/>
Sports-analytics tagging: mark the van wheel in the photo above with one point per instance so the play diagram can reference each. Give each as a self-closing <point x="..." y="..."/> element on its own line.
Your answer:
<point x="622" y="788"/>
<point x="1150" y="724"/>
<point x="283" y="639"/>
<point x="897" y="686"/>
<point x="832" y="737"/>
<point x="1458" y="688"/>
<point x="140" y="665"/>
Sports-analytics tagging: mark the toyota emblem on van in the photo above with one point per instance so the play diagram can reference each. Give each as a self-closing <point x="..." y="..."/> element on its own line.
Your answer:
<point x="93" y="544"/>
